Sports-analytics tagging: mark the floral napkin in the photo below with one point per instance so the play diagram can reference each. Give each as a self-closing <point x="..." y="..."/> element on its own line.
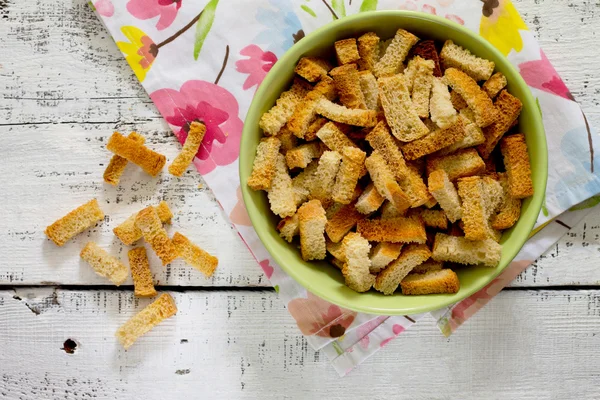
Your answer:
<point x="203" y="60"/>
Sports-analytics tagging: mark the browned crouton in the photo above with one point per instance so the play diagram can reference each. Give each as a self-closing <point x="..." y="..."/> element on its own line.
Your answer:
<point x="395" y="230"/>
<point x="349" y="90"/>
<point x="509" y="108"/>
<point x="384" y="181"/>
<point x="368" y="49"/>
<point x="341" y="221"/>
<point x="461" y="164"/>
<point x="353" y="160"/>
<point x="75" y="222"/>
<point x="435" y="141"/>
<point x="273" y="120"/>
<point x="391" y="61"/>
<point x="117" y="164"/>
<point x="338" y="113"/>
<point x="426" y="50"/>
<point x="454" y="56"/>
<point x="312" y="220"/>
<point x="412" y="255"/>
<point x="495" y="84"/>
<point x="312" y="68"/>
<point x="189" y="150"/>
<point x="104" y="264"/>
<point x="346" y="51"/>
<point x="194" y="255"/>
<point x="263" y="168"/>
<point x="477" y="99"/>
<point x="151" y="226"/>
<point x="149" y="160"/>
<point x="518" y="169"/>
<point x="445" y="193"/>
<point x="140" y="272"/>
<point x="464" y="251"/>
<point x="444" y="281"/>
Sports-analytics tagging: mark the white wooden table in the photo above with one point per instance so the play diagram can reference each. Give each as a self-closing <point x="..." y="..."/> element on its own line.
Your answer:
<point x="64" y="87"/>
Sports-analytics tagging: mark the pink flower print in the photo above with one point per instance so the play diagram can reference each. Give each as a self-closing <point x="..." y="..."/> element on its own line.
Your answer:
<point x="396" y="329"/>
<point x="216" y="108"/>
<point x="239" y="215"/>
<point x="455" y="18"/>
<point x="148" y="52"/>
<point x="146" y="9"/>
<point x="366" y="328"/>
<point x="104" y="8"/>
<point x="315" y="316"/>
<point x="256" y="65"/>
<point x="408" y="5"/>
<point x="267" y="269"/>
<point x="427" y="8"/>
<point x="540" y="74"/>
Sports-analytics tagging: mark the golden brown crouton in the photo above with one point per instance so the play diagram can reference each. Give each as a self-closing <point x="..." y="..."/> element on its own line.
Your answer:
<point x="341" y="221"/>
<point x="369" y="201"/>
<point x="117" y="164"/>
<point x="305" y="113"/>
<point x="273" y="120"/>
<point x="477" y="99"/>
<point x="383" y="254"/>
<point x="104" y="264"/>
<point x="312" y="220"/>
<point x="349" y="90"/>
<point x="353" y="160"/>
<point x="281" y="194"/>
<point x="75" y="222"/>
<point x="445" y="193"/>
<point x="391" y="61"/>
<point x="288" y="140"/>
<point x="150" y="224"/>
<point x="343" y="69"/>
<point x="388" y="211"/>
<point x="356" y="270"/>
<point x="263" y="168"/>
<point x="429" y="265"/>
<point x="475" y="215"/>
<point x="368" y="86"/>
<point x="461" y="164"/>
<point x="495" y="84"/>
<point x="129" y="233"/>
<point x="444" y="281"/>
<point x="384" y="181"/>
<point x="189" y="150"/>
<point x="454" y="56"/>
<point x="289" y="227"/>
<point x="312" y="68"/>
<point x="338" y="113"/>
<point x="368" y="49"/>
<point x="518" y="169"/>
<point x="426" y="50"/>
<point x="464" y="251"/>
<point x="421" y="88"/>
<point x="313" y="128"/>
<point x="140" y="272"/>
<point x="434" y="218"/>
<point x="302" y="155"/>
<point x="395" y="230"/>
<point x="412" y="255"/>
<point x="457" y="101"/>
<point x="150" y="161"/>
<point x="473" y="135"/>
<point x="509" y="108"/>
<point x="334" y="138"/>
<point x="510" y="209"/>
<point x="434" y="141"/>
<point x="336" y="250"/>
<point x="194" y="255"/>
<point x="346" y="51"/>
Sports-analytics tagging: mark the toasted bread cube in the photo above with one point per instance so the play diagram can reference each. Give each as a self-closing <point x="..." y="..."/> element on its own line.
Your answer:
<point x="473" y="135"/>
<point x="400" y="113"/>
<point x="444" y="281"/>
<point x="409" y="73"/>
<point x="493" y="194"/>
<point x="368" y="49"/>
<point x="477" y="99"/>
<point x="509" y="109"/>
<point x="389" y="279"/>
<point x="510" y="209"/>
<point x="384" y="181"/>
<point x="426" y="50"/>
<point x="495" y="84"/>
<point x="349" y="90"/>
<point x="445" y="193"/>
<point x="443" y="113"/>
<point x="312" y="68"/>
<point x="129" y="233"/>
<point x="273" y="120"/>
<point x="338" y="113"/>
<point x="162" y="308"/>
<point x="312" y="220"/>
<point x="435" y="141"/>
<point x="289" y="227"/>
<point x="383" y="254"/>
<point x="395" y="230"/>
<point x="457" y="101"/>
<point x="302" y="185"/>
<point x="421" y="88"/>
<point x="104" y="264"/>
<point x="464" y="251"/>
<point x="341" y="221"/>
<point x="369" y="201"/>
<point x="356" y="270"/>
<point x="346" y="51"/>
<point x="150" y="224"/>
<point x="313" y="128"/>
<point x="370" y="90"/>
<point x="117" y="164"/>
<point x="194" y="255"/>
<point x="263" y="168"/>
<point x="454" y="56"/>
<point x="329" y="165"/>
<point x="461" y="164"/>
<point x="388" y="211"/>
<point x="334" y="138"/>
<point x="343" y="69"/>
<point x="282" y="196"/>
<point x="395" y="54"/>
<point x="347" y="177"/>
<point x="475" y="215"/>
<point x="518" y="169"/>
<point x="189" y="150"/>
<point x="287" y="138"/>
<point x="302" y="155"/>
<point x="75" y="222"/>
<point x="140" y="272"/>
<point x="305" y="113"/>
<point x="336" y="250"/>
<point x="150" y="161"/>
<point x="429" y="265"/>
<point x="434" y="218"/>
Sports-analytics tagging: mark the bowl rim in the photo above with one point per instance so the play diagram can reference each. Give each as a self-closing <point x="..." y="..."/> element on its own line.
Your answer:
<point x="536" y="201"/>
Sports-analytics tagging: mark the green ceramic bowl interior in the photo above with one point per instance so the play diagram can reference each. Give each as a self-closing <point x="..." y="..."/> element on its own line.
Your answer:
<point x="325" y="280"/>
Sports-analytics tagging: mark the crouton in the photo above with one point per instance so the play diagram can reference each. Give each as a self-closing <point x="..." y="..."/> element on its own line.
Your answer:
<point x="473" y="136"/>
<point x="368" y="86"/>
<point x="338" y="113"/>
<point x="281" y="194"/>
<point x="426" y="50"/>
<point x="399" y="112"/>
<point x="493" y="194"/>
<point x="150" y="161"/>
<point x="129" y="233"/>
<point x="305" y="114"/>
<point x="388" y="211"/>
<point x="334" y="138"/>
<point x="356" y="270"/>
<point x="461" y="164"/>
<point x="383" y="254"/>
<point x="477" y="99"/>
<point x="509" y="210"/>
<point x="190" y="148"/>
<point x="421" y="88"/>
<point x="75" y="222"/>
<point x="347" y="177"/>
<point x="435" y="141"/>
<point x="369" y="201"/>
<point x="313" y="128"/>
<point x="391" y="61"/>
<point x="336" y="250"/>
<point x="464" y="251"/>
<point x="368" y="49"/>
<point x="429" y="265"/>
<point x="389" y="279"/>
<point x="289" y="228"/>
<point x="152" y="229"/>
<point x="395" y="230"/>
<point x="263" y="168"/>
<point x="409" y="73"/>
<point x="518" y="169"/>
<point x="444" y="281"/>
<point x="117" y="164"/>
<point x="454" y="56"/>
<point x="288" y="139"/>
<point x="457" y="101"/>
<point x="302" y="155"/>
<point x="495" y="84"/>
<point x="509" y="108"/>
<point x="303" y="183"/>
<point x="442" y="111"/>
<point x="140" y="272"/>
<point x="329" y="165"/>
<point x="341" y="220"/>
<point x="445" y="193"/>
<point x="104" y="264"/>
<point x="384" y="181"/>
<point x="349" y="90"/>
<point x="312" y="68"/>
<point x="343" y="69"/>
<point x="346" y="51"/>
<point x="475" y="215"/>
<point x="312" y="220"/>
<point x="194" y="255"/>
<point x="434" y="218"/>
<point x="273" y="120"/>
<point x="162" y="308"/>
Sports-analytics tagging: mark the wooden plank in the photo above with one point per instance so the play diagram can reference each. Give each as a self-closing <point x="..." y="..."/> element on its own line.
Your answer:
<point x="526" y="345"/>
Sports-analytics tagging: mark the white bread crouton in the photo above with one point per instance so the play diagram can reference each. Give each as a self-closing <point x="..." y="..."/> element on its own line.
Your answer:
<point x="150" y="161"/>
<point x="395" y="230"/>
<point x="152" y="229"/>
<point x="389" y="279"/>
<point x="303" y="183"/>
<point x="475" y="215"/>
<point x="273" y="120"/>
<point x="194" y="255"/>
<point x="429" y="265"/>
<point x="368" y="49"/>
<point x="409" y="74"/>
<point x="356" y="270"/>
<point x="312" y="220"/>
<point x="383" y="254"/>
<point x="464" y="251"/>
<point x="495" y="84"/>
<point x="282" y="196"/>
<point x="302" y="155"/>
<point x="370" y="91"/>
<point x="509" y="109"/>
<point x="349" y="90"/>
<point x="140" y="272"/>
<point x="189" y="150"/>
<point x="454" y="56"/>
<point x="479" y="102"/>
<point x="510" y="209"/>
<point x="347" y="177"/>
<point x="289" y="227"/>
<point x="104" y="264"/>
<point x="388" y="211"/>
<point x="336" y="250"/>
<point x="338" y="113"/>
<point x="444" y="281"/>
<point x="518" y="168"/>
<point x="434" y="141"/>
<point x="313" y="128"/>
<point x="334" y="138"/>
<point x="493" y="194"/>
<point x="263" y="168"/>
<point x="473" y="135"/>
<point x="329" y="165"/>
<point x="129" y="233"/>
<point x="384" y="181"/>
<point x="369" y="201"/>
<point x="434" y="218"/>
<point x="461" y="164"/>
<point x="117" y="164"/>
<point x="305" y="113"/>
<point x="287" y="138"/>
<point x="75" y="222"/>
<point x="442" y="111"/>
<point x="312" y="68"/>
<point x="391" y="61"/>
<point x="346" y="51"/>
<point x="445" y="193"/>
<point x="421" y="89"/>
<point x="341" y="220"/>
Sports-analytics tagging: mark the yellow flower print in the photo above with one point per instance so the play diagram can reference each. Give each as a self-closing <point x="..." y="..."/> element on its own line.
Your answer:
<point x="139" y="52"/>
<point x="500" y="25"/>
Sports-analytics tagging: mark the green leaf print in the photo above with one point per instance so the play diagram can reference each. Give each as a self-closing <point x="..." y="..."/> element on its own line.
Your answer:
<point x="589" y="203"/>
<point x="368" y="5"/>
<point x="203" y="26"/>
<point x="308" y="10"/>
<point x="339" y="7"/>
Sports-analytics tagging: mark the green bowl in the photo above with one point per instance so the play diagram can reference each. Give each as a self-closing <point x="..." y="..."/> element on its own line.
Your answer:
<point x="325" y="280"/>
